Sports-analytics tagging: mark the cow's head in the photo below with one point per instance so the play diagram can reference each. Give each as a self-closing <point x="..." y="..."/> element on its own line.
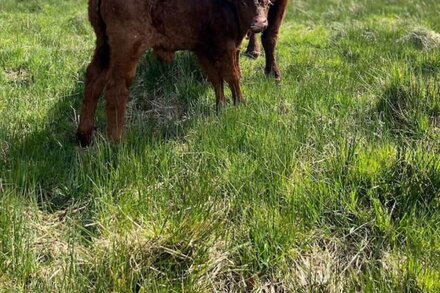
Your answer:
<point x="260" y="21"/>
<point x="253" y="13"/>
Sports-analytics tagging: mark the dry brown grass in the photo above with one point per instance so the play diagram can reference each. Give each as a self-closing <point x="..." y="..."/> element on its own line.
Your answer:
<point x="422" y="38"/>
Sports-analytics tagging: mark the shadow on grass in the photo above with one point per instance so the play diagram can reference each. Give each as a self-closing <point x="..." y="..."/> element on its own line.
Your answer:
<point x="47" y="163"/>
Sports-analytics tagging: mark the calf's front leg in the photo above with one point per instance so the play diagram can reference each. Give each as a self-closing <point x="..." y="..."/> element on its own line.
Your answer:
<point x="96" y="79"/>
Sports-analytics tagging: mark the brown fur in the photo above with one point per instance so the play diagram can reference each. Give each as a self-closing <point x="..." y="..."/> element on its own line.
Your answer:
<point x="269" y="38"/>
<point x="125" y="29"/>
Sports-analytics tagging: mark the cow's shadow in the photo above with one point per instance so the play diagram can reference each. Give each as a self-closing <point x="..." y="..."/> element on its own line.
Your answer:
<point x="47" y="163"/>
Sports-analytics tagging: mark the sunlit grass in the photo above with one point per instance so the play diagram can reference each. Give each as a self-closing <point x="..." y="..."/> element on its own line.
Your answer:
<point x="328" y="182"/>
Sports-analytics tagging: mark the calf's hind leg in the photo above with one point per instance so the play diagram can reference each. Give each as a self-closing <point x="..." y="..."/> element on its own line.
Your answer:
<point x="125" y="55"/>
<point x="230" y="71"/>
<point x="96" y="78"/>
<point x="213" y="75"/>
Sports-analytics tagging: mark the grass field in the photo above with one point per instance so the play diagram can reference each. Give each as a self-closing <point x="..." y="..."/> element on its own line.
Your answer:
<point x="327" y="182"/>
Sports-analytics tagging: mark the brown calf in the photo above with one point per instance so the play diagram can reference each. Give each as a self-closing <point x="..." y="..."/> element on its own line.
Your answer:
<point x="269" y="38"/>
<point x="125" y="29"/>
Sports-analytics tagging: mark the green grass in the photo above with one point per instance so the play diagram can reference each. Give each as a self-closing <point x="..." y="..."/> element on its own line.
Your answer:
<point x="327" y="182"/>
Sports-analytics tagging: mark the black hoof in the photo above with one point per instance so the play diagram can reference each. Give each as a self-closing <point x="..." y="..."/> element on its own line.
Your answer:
<point x="240" y="102"/>
<point x="253" y="54"/>
<point x="273" y="73"/>
<point x="84" y="139"/>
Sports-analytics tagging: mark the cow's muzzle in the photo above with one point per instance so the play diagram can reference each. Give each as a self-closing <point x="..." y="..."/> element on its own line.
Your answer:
<point x="259" y="25"/>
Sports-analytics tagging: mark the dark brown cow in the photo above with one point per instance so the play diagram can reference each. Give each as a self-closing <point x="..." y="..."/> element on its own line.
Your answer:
<point x="269" y="38"/>
<point x="125" y="29"/>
